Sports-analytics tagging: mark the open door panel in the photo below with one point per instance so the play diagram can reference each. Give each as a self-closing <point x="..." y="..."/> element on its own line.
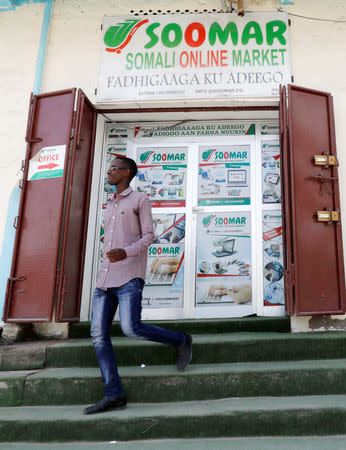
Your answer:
<point x="314" y="253"/>
<point x="31" y="287"/>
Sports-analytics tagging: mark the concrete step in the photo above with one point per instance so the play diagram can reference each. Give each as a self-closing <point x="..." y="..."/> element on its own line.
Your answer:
<point x="236" y="417"/>
<point x="200" y="326"/>
<point x="207" y="349"/>
<point x="260" y="443"/>
<point x="65" y="386"/>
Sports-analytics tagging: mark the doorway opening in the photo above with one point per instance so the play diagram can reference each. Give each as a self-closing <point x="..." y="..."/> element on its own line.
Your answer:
<point x="215" y="189"/>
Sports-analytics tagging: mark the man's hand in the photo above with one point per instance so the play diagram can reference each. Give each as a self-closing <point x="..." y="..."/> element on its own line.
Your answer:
<point x="116" y="254"/>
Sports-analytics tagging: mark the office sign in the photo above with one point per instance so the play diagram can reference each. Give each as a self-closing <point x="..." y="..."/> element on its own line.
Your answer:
<point x="47" y="163"/>
<point x="193" y="56"/>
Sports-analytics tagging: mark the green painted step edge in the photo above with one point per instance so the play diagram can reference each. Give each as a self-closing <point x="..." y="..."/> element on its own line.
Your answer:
<point x="165" y="384"/>
<point x="293" y="416"/>
<point x="207" y="349"/>
<point x="198" y="326"/>
<point x="254" y="443"/>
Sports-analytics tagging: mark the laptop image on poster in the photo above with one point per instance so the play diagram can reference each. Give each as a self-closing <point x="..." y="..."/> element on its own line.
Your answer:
<point x="236" y="177"/>
<point x="272" y="178"/>
<point x="224" y="247"/>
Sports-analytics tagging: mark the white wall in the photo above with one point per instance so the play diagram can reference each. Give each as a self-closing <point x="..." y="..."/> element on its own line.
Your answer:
<point x="20" y="32"/>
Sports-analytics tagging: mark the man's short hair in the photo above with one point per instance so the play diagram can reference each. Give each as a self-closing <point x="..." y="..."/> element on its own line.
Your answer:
<point x="130" y="164"/>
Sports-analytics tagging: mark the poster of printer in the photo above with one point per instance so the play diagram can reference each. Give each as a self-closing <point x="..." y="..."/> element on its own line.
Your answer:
<point x="224" y="175"/>
<point x="164" y="283"/>
<point x="271" y="182"/>
<point x="223" y="259"/>
<point x="273" y="271"/>
<point x="162" y="175"/>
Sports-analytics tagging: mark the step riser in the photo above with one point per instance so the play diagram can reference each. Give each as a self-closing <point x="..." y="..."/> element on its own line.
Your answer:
<point x="203" y="353"/>
<point x="252" y="324"/>
<point x="150" y="389"/>
<point x="246" y="423"/>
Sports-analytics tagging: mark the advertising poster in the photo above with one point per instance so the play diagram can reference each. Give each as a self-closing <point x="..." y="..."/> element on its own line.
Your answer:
<point x="162" y="175"/>
<point x="164" y="282"/>
<point x="273" y="281"/>
<point x="271" y="179"/>
<point x="193" y="56"/>
<point x="224" y="175"/>
<point x="224" y="260"/>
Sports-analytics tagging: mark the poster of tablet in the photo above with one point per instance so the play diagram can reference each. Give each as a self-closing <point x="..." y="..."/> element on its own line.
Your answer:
<point x="164" y="282"/>
<point x="224" y="260"/>
<point x="224" y="175"/>
<point x="271" y="171"/>
<point x="273" y="276"/>
<point x="162" y="175"/>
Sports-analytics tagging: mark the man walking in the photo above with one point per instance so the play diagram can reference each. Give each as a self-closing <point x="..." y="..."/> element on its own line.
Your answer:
<point x="128" y="233"/>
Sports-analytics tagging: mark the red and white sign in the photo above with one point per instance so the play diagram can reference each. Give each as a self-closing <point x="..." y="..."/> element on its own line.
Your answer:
<point x="47" y="163"/>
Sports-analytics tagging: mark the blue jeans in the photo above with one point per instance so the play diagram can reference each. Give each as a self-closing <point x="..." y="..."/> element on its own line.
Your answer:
<point x="104" y="306"/>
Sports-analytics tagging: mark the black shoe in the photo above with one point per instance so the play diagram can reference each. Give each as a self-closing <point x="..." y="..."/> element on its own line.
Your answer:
<point x="184" y="353"/>
<point x="106" y="404"/>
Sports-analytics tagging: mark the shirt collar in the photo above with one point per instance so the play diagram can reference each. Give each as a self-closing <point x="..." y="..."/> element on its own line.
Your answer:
<point x="124" y="193"/>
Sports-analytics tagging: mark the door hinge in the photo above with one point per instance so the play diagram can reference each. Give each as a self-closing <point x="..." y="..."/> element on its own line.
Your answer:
<point x="57" y="279"/>
<point x="15" y="222"/>
<point x="74" y="120"/>
<point x="33" y="140"/>
<point x="13" y="279"/>
<point x="63" y="291"/>
<point x="293" y="274"/>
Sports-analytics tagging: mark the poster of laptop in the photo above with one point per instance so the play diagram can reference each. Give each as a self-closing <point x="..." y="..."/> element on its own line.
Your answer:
<point x="162" y="175"/>
<point x="164" y="282"/>
<point x="224" y="175"/>
<point x="223" y="270"/>
<point x="271" y="171"/>
<point x="273" y="280"/>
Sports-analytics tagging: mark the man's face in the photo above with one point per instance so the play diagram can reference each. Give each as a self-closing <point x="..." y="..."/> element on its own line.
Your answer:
<point x="116" y="173"/>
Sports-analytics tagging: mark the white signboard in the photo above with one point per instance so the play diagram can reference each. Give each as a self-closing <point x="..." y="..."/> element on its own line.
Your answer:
<point x="199" y="129"/>
<point x="47" y="163"/>
<point x="193" y="56"/>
